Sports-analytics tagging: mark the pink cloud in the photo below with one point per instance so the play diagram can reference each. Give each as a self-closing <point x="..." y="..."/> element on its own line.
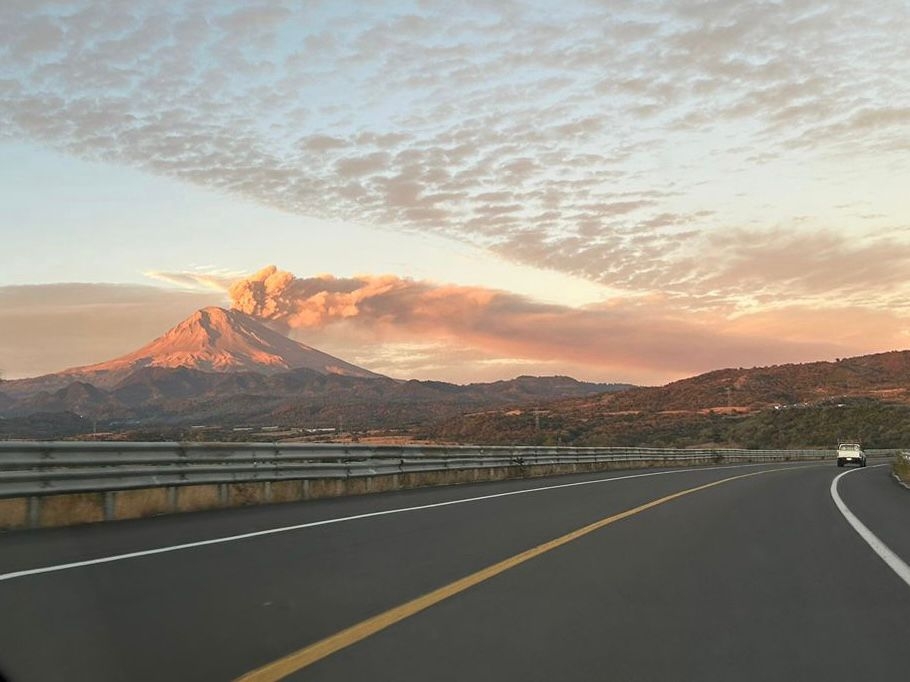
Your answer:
<point x="645" y="337"/>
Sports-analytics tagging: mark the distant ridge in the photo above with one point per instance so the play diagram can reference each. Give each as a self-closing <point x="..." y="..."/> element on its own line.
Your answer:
<point x="812" y="404"/>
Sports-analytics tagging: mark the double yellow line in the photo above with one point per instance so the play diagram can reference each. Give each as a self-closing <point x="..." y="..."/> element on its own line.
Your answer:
<point x="281" y="668"/>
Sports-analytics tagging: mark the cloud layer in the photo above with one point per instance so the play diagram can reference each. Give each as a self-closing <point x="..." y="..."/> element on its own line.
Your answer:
<point x="644" y="339"/>
<point x="730" y="155"/>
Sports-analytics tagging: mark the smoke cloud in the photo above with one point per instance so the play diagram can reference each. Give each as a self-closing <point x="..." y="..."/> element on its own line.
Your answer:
<point x="391" y="308"/>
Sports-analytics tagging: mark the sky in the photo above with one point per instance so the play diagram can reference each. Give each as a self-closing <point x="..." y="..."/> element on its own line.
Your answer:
<point x="633" y="191"/>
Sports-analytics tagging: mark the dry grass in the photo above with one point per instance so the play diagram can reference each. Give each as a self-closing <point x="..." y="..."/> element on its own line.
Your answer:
<point x="901" y="467"/>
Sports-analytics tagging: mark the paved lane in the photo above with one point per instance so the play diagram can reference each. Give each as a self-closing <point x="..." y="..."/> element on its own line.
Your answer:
<point x="747" y="576"/>
<point x="759" y="579"/>
<point x="881" y="504"/>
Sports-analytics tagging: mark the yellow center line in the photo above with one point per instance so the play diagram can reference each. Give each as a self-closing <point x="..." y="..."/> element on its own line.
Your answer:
<point x="281" y="668"/>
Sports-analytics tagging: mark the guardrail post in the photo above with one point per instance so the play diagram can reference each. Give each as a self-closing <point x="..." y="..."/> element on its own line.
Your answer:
<point x="110" y="498"/>
<point x="222" y="494"/>
<point x="172" y="497"/>
<point x="34" y="511"/>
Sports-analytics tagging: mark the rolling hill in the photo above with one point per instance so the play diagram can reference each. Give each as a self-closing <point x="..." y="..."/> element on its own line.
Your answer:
<point x="817" y="403"/>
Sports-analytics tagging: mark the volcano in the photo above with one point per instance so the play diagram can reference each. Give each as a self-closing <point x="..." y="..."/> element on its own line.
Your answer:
<point x="210" y="340"/>
<point x="219" y="340"/>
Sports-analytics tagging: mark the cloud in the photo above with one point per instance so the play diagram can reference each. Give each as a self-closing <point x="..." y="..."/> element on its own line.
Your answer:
<point x="639" y="337"/>
<point x="803" y="265"/>
<point x="583" y="144"/>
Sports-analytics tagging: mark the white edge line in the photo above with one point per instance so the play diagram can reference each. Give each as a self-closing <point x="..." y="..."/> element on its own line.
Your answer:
<point x="895" y="563"/>
<point x="284" y="529"/>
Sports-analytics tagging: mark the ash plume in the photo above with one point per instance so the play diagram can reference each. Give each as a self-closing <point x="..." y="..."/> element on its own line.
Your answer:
<point x="395" y="308"/>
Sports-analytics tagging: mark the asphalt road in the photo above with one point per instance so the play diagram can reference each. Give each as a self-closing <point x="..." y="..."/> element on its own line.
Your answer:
<point x="758" y="578"/>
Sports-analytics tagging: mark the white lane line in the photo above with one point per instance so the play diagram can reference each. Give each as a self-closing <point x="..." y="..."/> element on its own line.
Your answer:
<point x="884" y="552"/>
<point x="312" y="524"/>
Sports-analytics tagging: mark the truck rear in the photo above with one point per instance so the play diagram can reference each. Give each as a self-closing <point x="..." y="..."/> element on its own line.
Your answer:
<point x="850" y="453"/>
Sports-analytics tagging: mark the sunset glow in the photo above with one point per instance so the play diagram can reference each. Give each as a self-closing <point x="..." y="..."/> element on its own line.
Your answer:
<point x="631" y="192"/>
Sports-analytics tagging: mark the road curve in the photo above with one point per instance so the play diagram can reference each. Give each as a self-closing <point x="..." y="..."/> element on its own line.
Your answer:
<point x="755" y="578"/>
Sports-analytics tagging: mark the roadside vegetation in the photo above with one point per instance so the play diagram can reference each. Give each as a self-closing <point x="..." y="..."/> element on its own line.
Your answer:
<point x="873" y="423"/>
<point x="901" y="467"/>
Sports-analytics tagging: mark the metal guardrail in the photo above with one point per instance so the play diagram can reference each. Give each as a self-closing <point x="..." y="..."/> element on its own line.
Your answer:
<point x="50" y="468"/>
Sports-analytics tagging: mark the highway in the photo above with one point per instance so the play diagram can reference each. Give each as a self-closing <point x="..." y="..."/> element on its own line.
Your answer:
<point x="752" y="573"/>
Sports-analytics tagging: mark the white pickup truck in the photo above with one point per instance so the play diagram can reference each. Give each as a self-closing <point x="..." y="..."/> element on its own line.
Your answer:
<point x="850" y="453"/>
